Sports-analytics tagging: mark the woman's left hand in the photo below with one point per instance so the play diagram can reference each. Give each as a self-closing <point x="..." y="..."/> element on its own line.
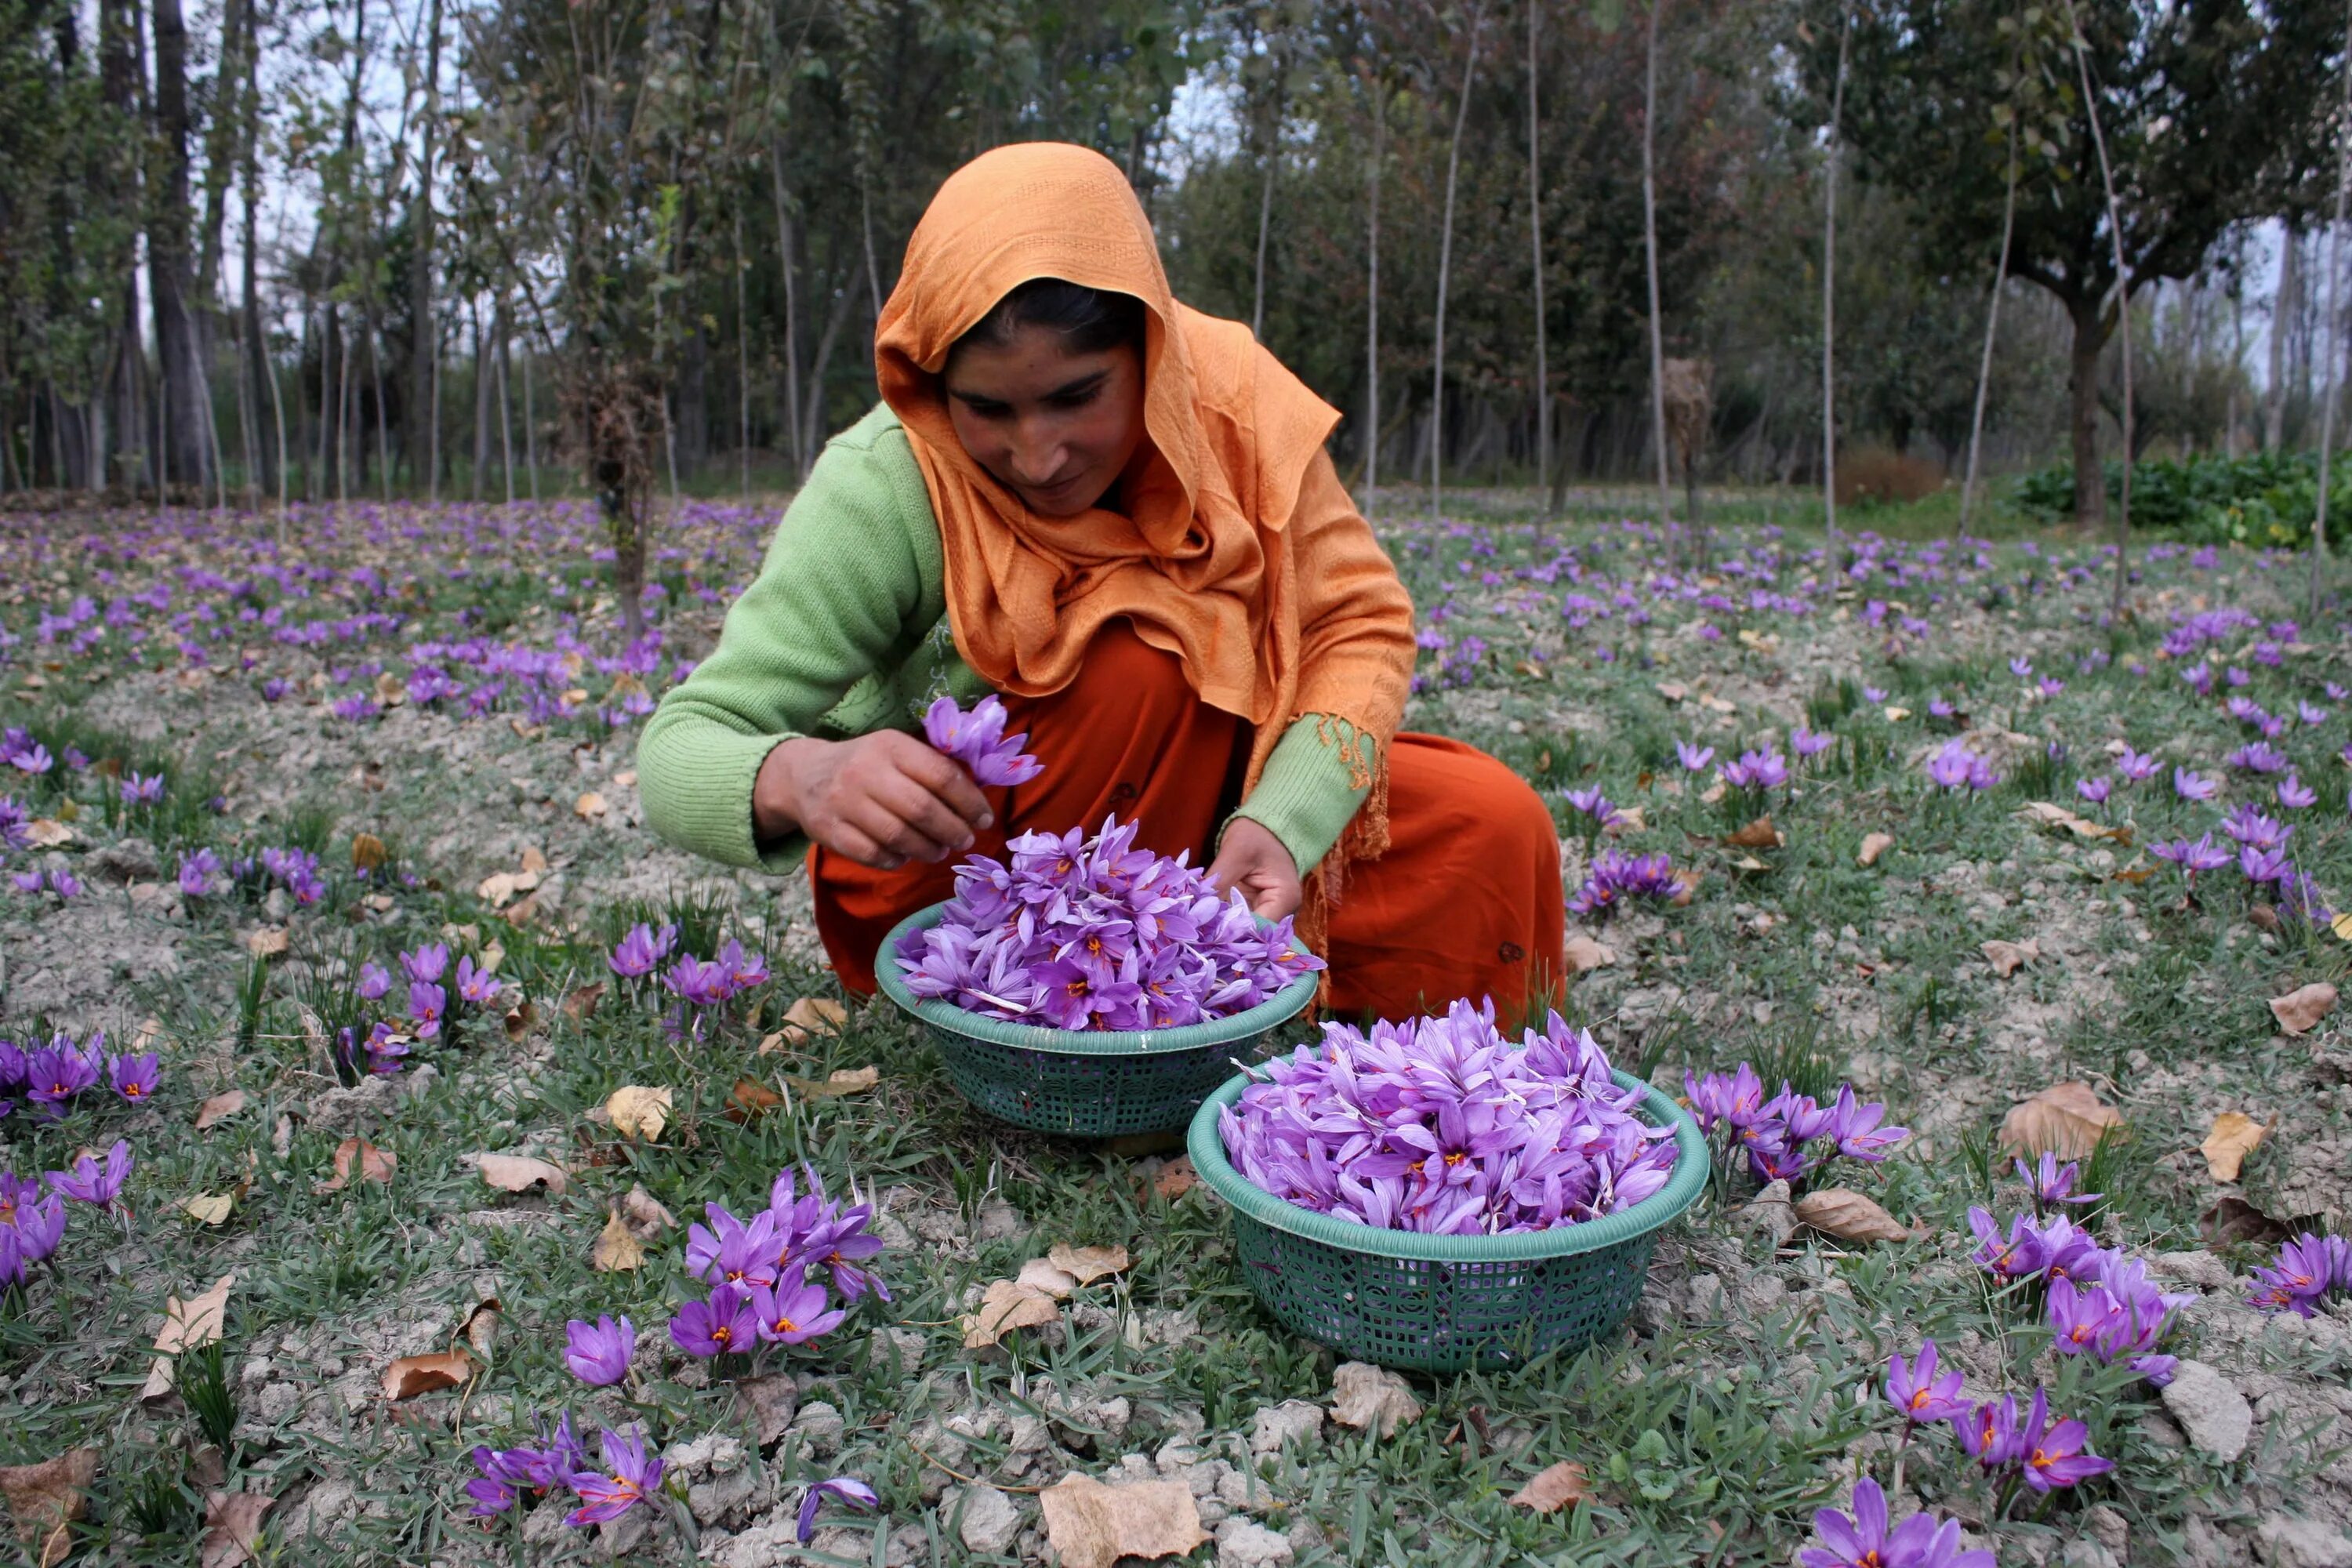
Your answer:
<point x="1252" y="859"/>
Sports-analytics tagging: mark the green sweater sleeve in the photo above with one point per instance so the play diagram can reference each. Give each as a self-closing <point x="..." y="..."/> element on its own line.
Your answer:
<point x="1306" y="796"/>
<point x="843" y="586"/>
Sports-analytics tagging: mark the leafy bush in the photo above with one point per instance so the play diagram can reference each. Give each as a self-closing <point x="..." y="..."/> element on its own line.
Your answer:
<point x="2262" y="500"/>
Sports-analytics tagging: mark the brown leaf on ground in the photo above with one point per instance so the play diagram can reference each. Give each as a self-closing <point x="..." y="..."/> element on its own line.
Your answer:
<point x="480" y="1329"/>
<point x="1673" y="690"/>
<point x="150" y="1032"/>
<point x="1873" y="844"/>
<point x="269" y="942"/>
<point x="1090" y="1525"/>
<point x="638" y="1112"/>
<point x="2006" y="956"/>
<point x="414" y="1374"/>
<point x="1559" y="1486"/>
<point x="616" y="1248"/>
<point x="44" y="1500"/>
<point x="1088" y="1264"/>
<point x="207" y="1208"/>
<point x="520" y="1173"/>
<point x="2235" y="1136"/>
<point x="1372" y="1399"/>
<point x="1849" y="1216"/>
<point x="1042" y="1277"/>
<point x="2067" y="1119"/>
<point x="1686" y="881"/>
<point x="367" y="852"/>
<point x="647" y="1220"/>
<point x="1007" y="1305"/>
<point x="2233" y="1221"/>
<point x="48" y="833"/>
<point x="232" y="1527"/>
<point x="187" y="1325"/>
<point x="590" y="807"/>
<point x="2047" y="814"/>
<point x="749" y="1099"/>
<point x="1713" y="791"/>
<point x="580" y="1003"/>
<point x="219" y="1108"/>
<point x="2263" y="918"/>
<point x="2303" y="1006"/>
<point x="1174" y="1179"/>
<point x="1584" y="954"/>
<point x="357" y="1155"/>
<point x="808" y="1016"/>
<point x="836" y="1084"/>
<point x="1757" y="835"/>
<point x="519" y="1018"/>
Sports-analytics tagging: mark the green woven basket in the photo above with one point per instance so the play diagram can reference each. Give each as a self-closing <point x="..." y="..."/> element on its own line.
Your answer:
<point x="1444" y="1303"/>
<point x="1106" y="1083"/>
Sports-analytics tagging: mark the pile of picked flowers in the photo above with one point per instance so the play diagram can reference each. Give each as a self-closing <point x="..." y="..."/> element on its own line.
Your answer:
<point x="1443" y="1125"/>
<point x="1087" y="933"/>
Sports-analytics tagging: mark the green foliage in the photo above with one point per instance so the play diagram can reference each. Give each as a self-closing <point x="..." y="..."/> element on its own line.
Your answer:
<point x="2262" y="500"/>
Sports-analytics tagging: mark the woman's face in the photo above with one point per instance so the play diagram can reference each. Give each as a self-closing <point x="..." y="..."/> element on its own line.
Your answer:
<point x="1055" y="428"/>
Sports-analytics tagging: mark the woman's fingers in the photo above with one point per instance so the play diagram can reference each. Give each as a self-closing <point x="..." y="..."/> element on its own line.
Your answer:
<point x="928" y="827"/>
<point x="945" y="778"/>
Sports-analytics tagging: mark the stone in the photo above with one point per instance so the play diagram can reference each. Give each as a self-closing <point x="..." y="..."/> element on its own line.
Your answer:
<point x="1370" y="1398"/>
<point x="2087" y="1552"/>
<point x="1770" y="1213"/>
<point x="2113" y="1530"/>
<point x="131" y="860"/>
<point x="1294" y="1421"/>
<point x="2210" y="1410"/>
<point x="820" y="1428"/>
<point x="1245" y="1544"/>
<point x="2199" y="1268"/>
<point x="900" y="1350"/>
<point x="998" y="1221"/>
<point x="2290" y="1542"/>
<point x="983" y="1519"/>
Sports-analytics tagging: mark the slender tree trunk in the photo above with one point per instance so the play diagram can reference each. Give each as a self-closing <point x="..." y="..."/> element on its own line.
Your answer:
<point x="791" y="310"/>
<point x="1992" y="330"/>
<point x="1829" y="296"/>
<point x="2285" y="304"/>
<point x="506" y="402"/>
<point x="383" y="426"/>
<point x="1650" y="251"/>
<point x="481" y="400"/>
<point x="424" y="349"/>
<point x="866" y="226"/>
<point x="1373" y="297"/>
<point x="530" y="426"/>
<point x="1535" y="236"/>
<point x="171" y="266"/>
<point x="2335" y="353"/>
<point x="346" y="416"/>
<point x="2123" y="320"/>
<point x="1445" y="269"/>
<point x="1265" y="226"/>
<point x="743" y="372"/>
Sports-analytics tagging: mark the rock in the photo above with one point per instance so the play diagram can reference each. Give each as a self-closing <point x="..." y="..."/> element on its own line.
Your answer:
<point x="983" y="1519"/>
<point x="621" y="1536"/>
<point x="1707" y="1296"/>
<point x="1245" y="1544"/>
<point x="2114" y="1531"/>
<point x="998" y="1220"/>
<point x="820" y="1426"/>
<point x="2087" y="1552"/>
<point x="2289" y="1541"/>
<point x="2210" y="1410"/>
<point x="2201" y="1269"/>
<point x="1771" y="1212"/>
<point x="1306" y="1536"/>
<point x="160" y="899"/>
<point x="905" y="1345"/>
<point x="720" y="1479"/>
<point x="1294" y="1421"/>
<point x="131" y="860"/>
<point x="1370" y="1398"/>
<point x="770" y="1542"/>
<point x="908" y="1544"/>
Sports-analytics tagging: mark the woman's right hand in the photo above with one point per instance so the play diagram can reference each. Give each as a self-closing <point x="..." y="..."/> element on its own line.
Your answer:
<point x="881" y="799"/>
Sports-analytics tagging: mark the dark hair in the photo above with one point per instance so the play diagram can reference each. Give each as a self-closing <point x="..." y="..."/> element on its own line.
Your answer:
<point x="1090" y="321"/>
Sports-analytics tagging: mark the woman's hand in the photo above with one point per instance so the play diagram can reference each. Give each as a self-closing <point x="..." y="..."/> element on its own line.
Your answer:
<point x="881" y="799"/>
<point x="1252" y="859"/>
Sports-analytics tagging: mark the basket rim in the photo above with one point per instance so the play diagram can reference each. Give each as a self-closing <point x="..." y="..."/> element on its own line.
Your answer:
<point x="1279" y="1008"/>
<point x="1207" y="1149"/>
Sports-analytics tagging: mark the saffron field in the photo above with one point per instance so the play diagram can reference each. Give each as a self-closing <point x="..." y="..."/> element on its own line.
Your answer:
<point x="336" y="821"/>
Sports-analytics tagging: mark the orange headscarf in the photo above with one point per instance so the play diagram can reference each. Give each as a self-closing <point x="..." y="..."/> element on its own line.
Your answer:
<point x="1201" y="561"/>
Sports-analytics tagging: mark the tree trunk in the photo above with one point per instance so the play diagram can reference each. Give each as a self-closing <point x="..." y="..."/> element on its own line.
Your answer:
<point x="171" y="266"/>
<point x="1829" y="297"/>
<point x="743" y="370"/>
<point x="1650" y="251"/>
<point x="2336" y="354"/>
<point x="791" y="310"/>
<point x="2285" y="304"/>
<point x="1372" y="306"/>
<point x="481" y="399"/>
<point x="123" y="452"/>
<point x="2123" y="314"/>
<point x="530" y="426"/>
<point x="1444" y="268"/>
<point x="1535" y="236"/>
<point x="417" y="438"/>
<point x="1992" y="329"/>
<point x="2082" y="400"/>
<point x="506" y="401"/>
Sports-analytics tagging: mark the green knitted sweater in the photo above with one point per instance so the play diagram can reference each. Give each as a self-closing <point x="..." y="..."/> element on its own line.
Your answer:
<point x="845" y="632"/>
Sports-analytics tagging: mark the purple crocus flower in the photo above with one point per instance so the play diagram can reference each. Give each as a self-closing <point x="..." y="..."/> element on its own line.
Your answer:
<point x="977" y="739"/>
<point x="2137" y="766"/>
<point x="744" y="970"/>
<point x="598" y="1354"/>
<point x="698" y="984"/>
<point x="1807" y="743"/>
<point x="638" y="954"/>
<point x="1921" y="1395"/>
<point x="476" y="985"/>
<point x="1864" y="1539"/>
<point x="2295" y="795"/>
<point x="2188" y="785"/>
<point x="426" y="1004"/>
<point x="427" y="965"/>
<point x="2056" y="1456"/>
<point x="57" y="1071"/>
<point x="635" y="1478"/>
<point x="1592" y="804"/>
<point x="1989" y="1434"/>
<point x="2305" y="1269"/>
<point x="794" y="1314"/>
<point x="1764" y="770"/>
<point x="2020" y="1256"/>
<point x="375" y="981"/>
<point x="134" y="1076"/>
<point x="90" y="1182"/>
<point x="141" y="790"/>
<point x="2054" y="1183"/>
<point x="1694" y="756"/>
<point x="844" y="1488"/>
<point x="2263" y="867"/>
<point x="2203" y="854"/>
<point x="200" y="875"/>
<point x="723" y="1324"/>
<point x="2095" y="790"/>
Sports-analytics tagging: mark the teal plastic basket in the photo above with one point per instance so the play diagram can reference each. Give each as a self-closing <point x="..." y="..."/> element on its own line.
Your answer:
<point x="1107" y="1083"/>
<point x="1446" y="1303"/>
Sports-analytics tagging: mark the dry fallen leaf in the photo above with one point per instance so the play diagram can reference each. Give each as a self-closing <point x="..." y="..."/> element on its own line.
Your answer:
<point x="374" y="1164"/>
<point x="1673" y="690"/>
<point x="1757" y="835"/>
<point x="48" y="833"/>
<point x="480" y="1329"/>
<point x="44" y="1500"/>
<point x="2048" y="815"/>
<point x="2067" y="1119"/>
<point x="2303" y="1006"/>
<point x="2235" y="1136"/>
<point x="616" y="1248"/>
<point x="1686" y="881"/>
<point x="833" y="1085"/>
<point x="1584" y="954"/>
<point x="1175" y="1178"/>
<point x="151" y="1031"/>
<point x="414" y="1374"/>
<point x="219" y="1108"/>
<point x="589" y="806"/>
<point x="1371" y="1399"/>
<point x="580" y="1005"/>
<point x="647" y="1220"/>
<point x="520" y="1173"/>
<point x="187" y="1325"/>
<point x="1003" y="1307"/>
<point x="1713" y="791"/>
<point x="1090" y="1525"/>
<point x="1088" y="1264"/>
<point x="1873" y="844"/>
<point x="208" y="1208"/>
<point x="638" y="1112"/>
<point x="1040" y="1275"/>
<point x="808" y="1016"/>
<point x="2233" y="1220"/>
<point x="519" y="1018"/>
<point x="1558" y="1487"/>
<point x="269" y="941"/>
<point x="1848" y="1215"/>
<point x="2006" y="956"/>
<point x="367" y="852"/>
<point x="750" y="1098"/>
<point x="232" y="1527"/>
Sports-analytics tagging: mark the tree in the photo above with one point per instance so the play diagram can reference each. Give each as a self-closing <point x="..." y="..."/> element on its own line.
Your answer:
<point x="2212" y="112"/>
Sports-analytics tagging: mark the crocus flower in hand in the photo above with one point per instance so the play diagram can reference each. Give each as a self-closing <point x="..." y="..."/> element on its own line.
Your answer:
<point x="846" y="1489"/>
<point x="977" y="739"/>
<point x="1921" y="1395"/>
<point x="598" y="1354"/>
<point x="635" y="1478"/>
<point x="92" y="1183"/>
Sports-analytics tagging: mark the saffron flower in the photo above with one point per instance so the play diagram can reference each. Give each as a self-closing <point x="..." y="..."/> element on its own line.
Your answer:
<point x="1863" y="1540"/>
<point x="1594" y="805"/>
<point x="2137" y="766"/>
<point x="2295" y="795"/>
<point x="1764" y="770"/>
<point x="375" y="981"/>
<point x="2188" y="785"/>
<point x="598" y="1354"/>
<point x="635" y="1478"/>
<point x="134" y="1076"/>
<point x="1616" y="877"/>
<point x="977" y="739"/>
<point x="2056" y="1456"/>
<point x="141" y="790"/>
<point x="59" y="1070"/>
<point x="90" y="1182"/>
<point x="1807" y="743"/>
<point x="723" y="1324"/>
<point x="2019" y="1256"/>
<point x="1915" y="1390"/>
<point x="1990" y="1435"/>
<point x="1954" y="767"/>
<point x="638" y="954"/>
<point x="200" y="875"/>
<point x="2095" y="790"/>
<point x="2054" y="1183"/>
<point x="844" y="1488"/>
<point x="2303" y="1273"/>
<point x="1693" y="756"/>
<point x="792" y="1315"/>
<point x="2203" y="854"/>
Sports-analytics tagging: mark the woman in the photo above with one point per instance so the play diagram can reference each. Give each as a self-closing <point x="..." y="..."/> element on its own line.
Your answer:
<point x="1119" y="514"/>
